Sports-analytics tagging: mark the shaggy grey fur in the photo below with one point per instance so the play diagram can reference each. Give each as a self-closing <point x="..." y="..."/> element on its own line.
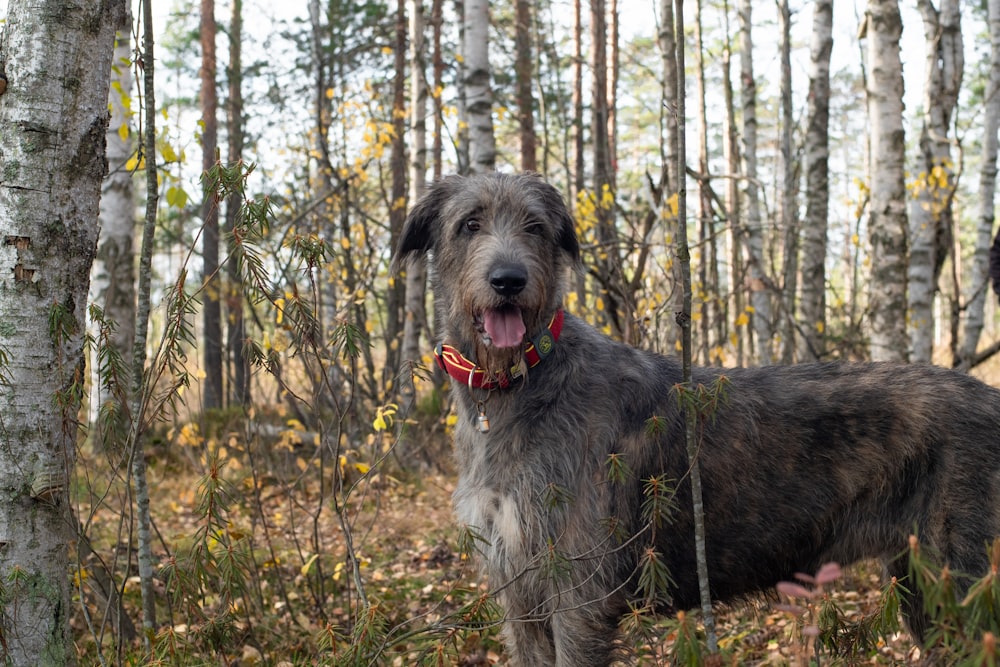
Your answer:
<point x="801" y="465"/>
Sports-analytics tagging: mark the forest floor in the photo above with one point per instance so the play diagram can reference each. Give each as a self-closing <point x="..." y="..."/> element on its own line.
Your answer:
<point x="429" y="597"/>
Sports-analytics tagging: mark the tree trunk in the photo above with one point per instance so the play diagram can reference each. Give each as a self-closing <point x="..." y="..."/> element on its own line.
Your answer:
<point x="56" y="61"/>
<point x="789" y="192"/>
<point x="731" y="155"/>
<point x="415" y="314"/>
<point x="239" y="389"/>
<point x="753" y="232"/>
<point x="887" y="221"/>
<point x="523" y="54"/>
<point x="437" y="145"/>
<point x="112" y="280"/>
<point x="931" y="218"/>
<point x="985" y="261"/>
<point x="397" y="207"/>
<point x="615" y="313"/>
<point x="812" y="303"/>
<point x="708" y="260"/>
<point x="478" y="92"/>
<point x="579" y="153"/>
<point x="212" y="311"/>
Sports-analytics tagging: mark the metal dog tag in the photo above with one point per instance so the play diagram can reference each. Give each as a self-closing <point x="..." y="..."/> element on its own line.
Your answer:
<point x="483" y="420"/>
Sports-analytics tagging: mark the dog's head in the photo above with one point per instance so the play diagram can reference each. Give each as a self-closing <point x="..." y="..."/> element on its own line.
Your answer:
<point x="499" y="248"/>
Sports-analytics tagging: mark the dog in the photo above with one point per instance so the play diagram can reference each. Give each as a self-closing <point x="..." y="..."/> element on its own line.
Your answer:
<point x="567" y="441"/>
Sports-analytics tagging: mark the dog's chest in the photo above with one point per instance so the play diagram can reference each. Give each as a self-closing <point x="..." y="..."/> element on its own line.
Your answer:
<point x="497" y="493"/>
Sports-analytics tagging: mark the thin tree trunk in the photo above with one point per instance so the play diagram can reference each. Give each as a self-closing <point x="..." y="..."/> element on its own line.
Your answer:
<point x="579" y="156"/>
<point x="415" y="314"/>
<point x="670" y="179"/>
<point x="616" y="312"/>
<point x="112" y="287"/>
<point x="414" y="311"/>
<point x="760" y="296"/>
<point x="212" y="310"/>
<point x="887" y="222"/>
<point x="985" y="261"/>
<point x="789" y="192"/>
<point x="525" y="80"/>
<point x="144" y="535"/>
<point x="112" y="281"/>
<point x="731" y="155"/>
<point x="812" y="304"/>
<point x="437" y="145"/>
<point x="56" y="60"/>
<point x="396" y="292"/>
<point x="478" y="90"/>
<point x="691" y="418"/>
<point x="931" y="218"/>
<point x="236" y="331"/>
<point x="704" y="197"/>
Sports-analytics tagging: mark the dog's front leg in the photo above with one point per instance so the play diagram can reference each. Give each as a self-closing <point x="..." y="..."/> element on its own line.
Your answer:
<point x="584" y="637"/>
<point x="529" y="642"/>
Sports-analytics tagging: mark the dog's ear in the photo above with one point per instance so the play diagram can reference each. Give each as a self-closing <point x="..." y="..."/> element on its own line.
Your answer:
<point x="420" y="230"/>
<point x="565" y="225"/>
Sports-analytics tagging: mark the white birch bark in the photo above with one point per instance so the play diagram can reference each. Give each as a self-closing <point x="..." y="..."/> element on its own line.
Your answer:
<point x="979" y="273"/>
<point x="812" y="302"/>
<point x="112" y="279"/>
<point x="931" y="212"/>
<point x="789" y="192"/>
<point x="760" y="296"/>
<point x="478" y="93"/>
<point x="416" y="274"/>
<point x="56" y="58"/>
<point x="415" y="314"/>
<point x="888" y="220"/>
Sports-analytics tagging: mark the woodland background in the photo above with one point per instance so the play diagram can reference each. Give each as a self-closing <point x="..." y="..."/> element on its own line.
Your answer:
<point x="254" y="466"/>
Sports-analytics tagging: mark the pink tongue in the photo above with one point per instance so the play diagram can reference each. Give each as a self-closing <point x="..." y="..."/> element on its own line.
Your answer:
<point x="504" y="326"/>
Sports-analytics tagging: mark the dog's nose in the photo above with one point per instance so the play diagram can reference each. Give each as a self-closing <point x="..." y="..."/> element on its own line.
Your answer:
<point x="508" y="279"/>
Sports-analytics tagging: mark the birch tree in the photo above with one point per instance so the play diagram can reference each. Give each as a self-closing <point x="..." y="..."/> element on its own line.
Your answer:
<point x="396" y="293"/>
<point x="812" y="303"/>
<point x="887" y="212"/>
<point x="56" y="64"/>
<point x="478" y="89"/>
<point x="760" y="297"/>
<point x="112" y="282"/>
<point x="789" y="190"/>
<point x="731" y="156"/>
<point x="981" y="260"/>
<point x="931" y="210"/>
<point x="414" y="313"/>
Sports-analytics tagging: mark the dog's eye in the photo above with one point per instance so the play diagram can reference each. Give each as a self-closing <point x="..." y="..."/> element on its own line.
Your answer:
<point x="535" y="228"/>
<point x="472" y="225"/>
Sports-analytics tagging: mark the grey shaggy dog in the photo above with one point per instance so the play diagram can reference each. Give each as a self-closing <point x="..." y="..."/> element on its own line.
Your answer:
<point x="800" y="465"/>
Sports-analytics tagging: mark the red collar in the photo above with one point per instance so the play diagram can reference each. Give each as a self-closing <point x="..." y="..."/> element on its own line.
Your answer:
<point x="465" y="371"/>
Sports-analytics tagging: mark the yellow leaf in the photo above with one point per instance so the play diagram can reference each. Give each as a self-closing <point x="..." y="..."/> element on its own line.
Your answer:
<point x="308" y="564"/>
<point x="168" y="153"/>
<point x="742" y="320"/>
<point x="362" y="468"/>
<point x="123" y="131"/>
